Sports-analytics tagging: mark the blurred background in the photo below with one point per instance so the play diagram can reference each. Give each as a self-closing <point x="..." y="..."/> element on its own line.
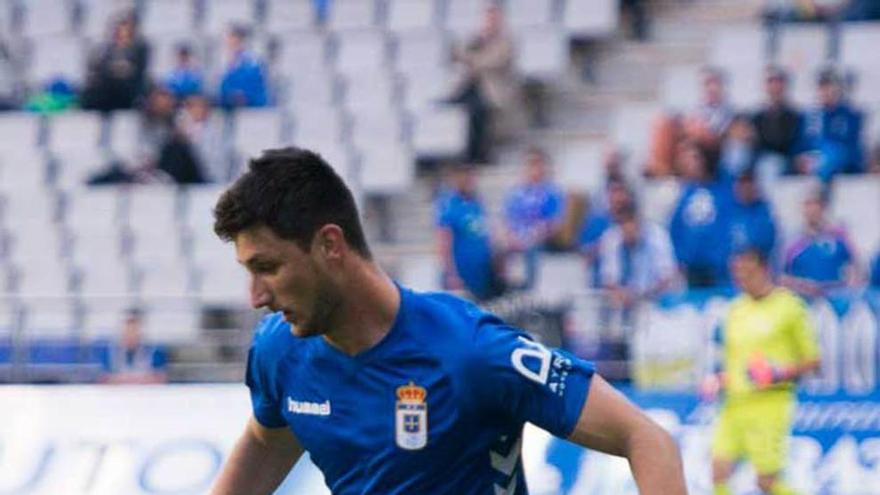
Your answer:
<point x="585" y="168"/>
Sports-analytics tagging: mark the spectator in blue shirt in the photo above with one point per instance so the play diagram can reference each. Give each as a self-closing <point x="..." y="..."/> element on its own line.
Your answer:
<point x="831" y="142"/>
<point x="821" y="258"/>
<point x="598" y="220"/>
<point x="875" y="273"/>
<point x="752" y="224"/>
<point x="637" y="259"/>
<point x="133" y="361"/>
<point x="244" y="81"/>
<point x="463" y="237"/>
<point x="186" y="78"/>
<point x="533" y="212"/>
<point x="700" y="226"/>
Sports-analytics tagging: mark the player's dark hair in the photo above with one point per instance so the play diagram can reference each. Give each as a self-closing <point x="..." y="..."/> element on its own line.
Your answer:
<point x="294" y="193"/>
<point x="755" y="253"/>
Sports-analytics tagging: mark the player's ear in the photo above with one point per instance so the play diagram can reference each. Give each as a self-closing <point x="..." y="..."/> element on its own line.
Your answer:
<point x="329" y="241"/>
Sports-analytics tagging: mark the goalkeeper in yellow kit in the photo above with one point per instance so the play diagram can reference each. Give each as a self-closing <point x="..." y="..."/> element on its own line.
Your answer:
<point x="768" y="343"/>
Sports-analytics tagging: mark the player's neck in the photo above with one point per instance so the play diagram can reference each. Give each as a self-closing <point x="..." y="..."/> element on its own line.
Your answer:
<point x="369" y="311"/>
<point x="762" y="291"/>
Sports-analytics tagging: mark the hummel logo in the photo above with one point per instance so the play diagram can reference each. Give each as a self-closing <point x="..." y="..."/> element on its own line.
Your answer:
<point x="302" y="407"/>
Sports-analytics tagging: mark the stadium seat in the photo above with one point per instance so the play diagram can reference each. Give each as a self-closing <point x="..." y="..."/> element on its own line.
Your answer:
<point x="20" y="130"/>
<point x="858" y="45"/>
<point x="125" y="129"/>
<point x="803" y="50"/>
<point x="302" y="53"/>
<point x="43" y="18"/>
<point x="164" y="278"/>
<point x="738" y="46"/>
<point x="57" y="57"/>
<point x="787" y="197"/>
<point x="579" y="166"/>
<point x="464" y="17"/>
<point x="542" y="53"/>
<point x="387" y="167"/>
<point x="103" y="318"/>
<point x="631" y="129"/>
<point x="257" y="130"/>
<point x="852" y="198"/>
<point x="411" y="15"/>
<point x="370" y="91"/>
<point x="323" y="127"/>
<point x="440" y="132"/>
<point x="104" y="276"/>
<point x="421" y="273"/>
<point x="555" y="267"/>
<point x="172" y="324"/>
<point x="745" y="87"/>
<point x="591" y="19"/>
<point x="6" y="15"/>
<point x="163" y="18"/>
<point x="376" y="124"/>
<point x="681" y="88"/>
<point x="44" y="325"/>
<point x="352" y="14"/>
<point x="93" y="210"/>
<point x="221" y="280"/>
<point x="220" y="14"/>
<point x="98" y="14"/>
<point x="528" y="13"/>
<point x="73" y="167"/>
<point x="420" y="52"/>
<point x="312" y="92"/>
<point x="283" y="16"/>
<point x="24" y="171"/>
<point x="425" y="89"/>
<point x="361" y="52"/>
<point x="75" y="130"/>
<point x="865" y="91"/>
<point x="154" y="214"/>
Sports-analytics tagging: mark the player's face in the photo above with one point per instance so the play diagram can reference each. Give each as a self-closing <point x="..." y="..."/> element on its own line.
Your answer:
<point x="748" y="273"/>
<point x="286" y="278"/>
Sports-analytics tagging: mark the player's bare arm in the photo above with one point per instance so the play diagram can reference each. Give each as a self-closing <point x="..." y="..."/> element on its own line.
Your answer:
<point x="259" y="462"/>
<point x="610" y="423"/>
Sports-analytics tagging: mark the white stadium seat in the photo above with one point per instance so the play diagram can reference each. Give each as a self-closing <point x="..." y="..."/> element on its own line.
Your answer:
<point x="46" y="18"/>
<point x="172" y="323"/>
<point x="528" y="13"/>
<point x="386" y="168"/>
<point x="591" y="19"/>
<point x="257" y="130"/>
<point x="736" y="46"/>
<point x="320" y="127"/>
<point x="681" y="87"/>
<point x="579" y="166"/>
<point x="419" y="52"/>
<point x="463" y="17"/>
<point x="162" y="18"/>
<point x="220" y="14"/>
<point x="631" y="128"/>
<point x="75" y="130"/>
<point x="20" y="130"/>
<point x="411" y="15"/>
<point x="420" y="273"/>
<point x="542" y="52"/>
<point x="852" y="198"/>
<point x="425" y="89"/>
<point x="858" y="46"/>
<point x="360" y="52"/>
<point x="283" y="16"/>
<point x="98" y="15"/>
<point x="787" y="197"/>
<point x="658" y="198"/>
<point x="57" y="56"/>
<point x="302" y="53"/>
<point x="371" y="90"/>
<point x="440" y="131"/>
<point x="352" y="14"/>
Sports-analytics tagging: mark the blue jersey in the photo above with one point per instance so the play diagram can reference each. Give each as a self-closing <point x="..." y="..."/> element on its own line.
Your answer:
<point x="437" y="406"/>
<point x="820" y="257"/>
<point x="465" y="218"/>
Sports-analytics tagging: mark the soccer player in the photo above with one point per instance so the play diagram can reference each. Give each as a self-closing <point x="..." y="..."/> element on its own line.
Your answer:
<point x="392" y="391"/>
<point x="768" y="344"/>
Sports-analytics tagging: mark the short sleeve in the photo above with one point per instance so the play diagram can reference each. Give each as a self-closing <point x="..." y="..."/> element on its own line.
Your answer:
<point x="803" y="334"/>
<point x="260" y="380"/>
<point x="443" y="213"/>
<point x="528" y="382"/>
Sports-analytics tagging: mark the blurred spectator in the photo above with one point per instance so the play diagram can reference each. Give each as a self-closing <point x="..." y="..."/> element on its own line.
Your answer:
<point x="779" y="126"/>
<point x="862" y="10"/>
<point x="8" y="79"/>
<point x="636" y="12"/>
<point x="874" y="281"/>
<point x="56" y="96"/>
<point x="874" y="160"/>
<point x="700" y="226"/>
<point x="163" y="155"/>
<point x="637" y="261"/>
<point x="205" y="135"/>
<point x="117" y="75"/>
<point x="705" y="125"/>
<point x="831" y="140"/>
<point x="738" y="147"/>
<point x="533" y="212"/>
<point x="752" y="225"/>
<point x="463" y="238"/>
<point x="187" y="77"/>
<point x="599" y="220"/>
<point x="133" y="361"/>
<point x="821" y="258"/>
<point x="243" y="83"/>
<point x="488" y="88"/>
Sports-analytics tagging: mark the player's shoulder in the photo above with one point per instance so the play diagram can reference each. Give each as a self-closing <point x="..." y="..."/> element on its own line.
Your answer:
<point x="787" y="299"/>
<point x="272" y="338"/>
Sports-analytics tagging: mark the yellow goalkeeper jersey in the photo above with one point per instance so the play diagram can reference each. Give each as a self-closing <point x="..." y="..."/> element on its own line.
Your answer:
<point x="775" y="327"/>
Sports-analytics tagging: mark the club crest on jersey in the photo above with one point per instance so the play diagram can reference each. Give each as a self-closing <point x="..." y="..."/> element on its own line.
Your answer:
<point x="411" y="417"/>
